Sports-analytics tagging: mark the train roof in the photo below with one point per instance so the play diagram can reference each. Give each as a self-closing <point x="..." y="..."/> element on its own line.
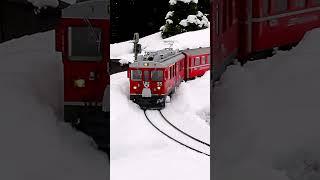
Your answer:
<point x="166" y="57"/>
<point x="159" y="63"/>
<point x="93" y="9"/>
<point x="205" y="50"/>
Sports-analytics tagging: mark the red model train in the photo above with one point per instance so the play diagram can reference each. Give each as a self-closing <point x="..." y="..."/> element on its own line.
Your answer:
<point x="251" y="29"/>
<point x="82" y="36"/>
<point x="156" y="75"/>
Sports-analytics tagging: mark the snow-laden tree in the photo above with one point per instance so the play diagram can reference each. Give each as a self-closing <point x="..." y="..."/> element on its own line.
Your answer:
<point x="43" y="4"/>
<point x="183" y="16"/>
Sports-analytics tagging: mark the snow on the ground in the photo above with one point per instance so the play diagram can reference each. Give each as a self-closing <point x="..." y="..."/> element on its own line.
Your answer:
<point x="266" y="123"/>
<point x="138" y="151"/>
<point x="70" y="1"/>
<point x="35" y="143"/>
<point x="44" y="3"/>
<point x="194" y="39"/>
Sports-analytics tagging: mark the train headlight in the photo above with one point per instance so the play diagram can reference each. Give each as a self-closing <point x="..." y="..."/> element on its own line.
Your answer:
<point x="158" y="87"/>
<point x="80" y="83"/>
<point x="134" y="87"/>
<point x="146" y="64"/>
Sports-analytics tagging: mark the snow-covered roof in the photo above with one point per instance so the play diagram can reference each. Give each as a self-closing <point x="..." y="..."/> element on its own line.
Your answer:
<point x="95" y="9"/>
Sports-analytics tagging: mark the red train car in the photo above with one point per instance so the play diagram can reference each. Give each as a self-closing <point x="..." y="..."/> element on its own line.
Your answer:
<point x="82" y="36"/>
<point x="156" y="75"/>
<point x="251" y="29"/>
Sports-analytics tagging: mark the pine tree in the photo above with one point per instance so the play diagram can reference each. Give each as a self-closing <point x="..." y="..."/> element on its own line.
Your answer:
<point x="183" y="16"/>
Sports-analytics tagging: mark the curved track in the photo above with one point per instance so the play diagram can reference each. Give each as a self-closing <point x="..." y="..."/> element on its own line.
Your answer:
<point x="175" y="127"/>
<point x="167" y="125"/>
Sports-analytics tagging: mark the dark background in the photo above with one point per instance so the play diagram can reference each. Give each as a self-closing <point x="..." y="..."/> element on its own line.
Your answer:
<point x="143" y="16"/>
<point x="130" y="16"/>
<point x="17" y="18"/>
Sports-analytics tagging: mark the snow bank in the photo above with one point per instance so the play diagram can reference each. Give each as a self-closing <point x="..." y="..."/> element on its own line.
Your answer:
<point x="35" y="144"/>
<point x="140" y="152"/>
<point x="267" y="117"/>
<point x="44" y="3"/>
<point x="173" y="2"/>
<point x="195" y="39"/>
<point x="70" y="1"/>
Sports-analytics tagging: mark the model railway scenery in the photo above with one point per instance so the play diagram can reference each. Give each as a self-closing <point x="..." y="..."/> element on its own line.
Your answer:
<point x="160" y="90"/>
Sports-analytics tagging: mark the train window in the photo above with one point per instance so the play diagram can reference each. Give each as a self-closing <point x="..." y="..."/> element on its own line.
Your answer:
<point x="280" y="5"/>
<point x="197" y="61"/>
<point x="146" y="75"/>
<point x="317" y="2"/>
<point x="266" y="7"/>
<point x="225" y="17"/>
<point x="85" y="44"/>
<point x="230" y="12"/>
<point x="157" y="75"/>
<point x="299" y="3"/>
<point x="203" y="60"/>
<point x="136" y="75"/>
<point x="174" y="70"/>
<point x="217" y="21"/>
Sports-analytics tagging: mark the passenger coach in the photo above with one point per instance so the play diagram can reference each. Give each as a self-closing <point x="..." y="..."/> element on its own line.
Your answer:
<point x="251" y="29"/>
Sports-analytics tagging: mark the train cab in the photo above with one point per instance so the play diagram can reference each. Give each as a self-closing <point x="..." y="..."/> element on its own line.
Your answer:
<point x="82" y="36"/>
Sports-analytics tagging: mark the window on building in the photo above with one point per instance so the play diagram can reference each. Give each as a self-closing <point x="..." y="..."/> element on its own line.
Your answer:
<point x="85" y="44"/>
<point x="280" y="5"/>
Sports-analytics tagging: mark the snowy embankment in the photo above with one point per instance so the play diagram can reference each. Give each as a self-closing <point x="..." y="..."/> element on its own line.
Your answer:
<point x="36" y="144"/>
<point x="267" y="117"/>
<point x="195" y="39"/>
<point x="138" y="151"/>
<point x="44" y="3"/>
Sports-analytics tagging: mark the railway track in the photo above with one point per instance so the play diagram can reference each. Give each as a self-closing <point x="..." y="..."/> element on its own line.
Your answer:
<point x="165" y="127"/>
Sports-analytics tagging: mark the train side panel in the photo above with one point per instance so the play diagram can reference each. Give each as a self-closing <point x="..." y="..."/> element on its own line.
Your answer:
<point x="284" y="24"/>
<point x="224" y="34"/>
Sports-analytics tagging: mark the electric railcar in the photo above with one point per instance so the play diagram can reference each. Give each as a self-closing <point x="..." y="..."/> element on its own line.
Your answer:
<point x="156" y="75"/>
<point x="82" y="36"/>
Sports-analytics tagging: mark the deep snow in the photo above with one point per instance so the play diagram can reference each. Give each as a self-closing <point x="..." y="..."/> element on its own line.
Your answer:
<point x="35" y="143"/>
<point x="138" y="151"/>
<point x="266" y="117"/>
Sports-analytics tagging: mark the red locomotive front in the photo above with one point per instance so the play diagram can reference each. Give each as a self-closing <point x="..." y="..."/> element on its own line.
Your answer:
<point x="154" y="76"/>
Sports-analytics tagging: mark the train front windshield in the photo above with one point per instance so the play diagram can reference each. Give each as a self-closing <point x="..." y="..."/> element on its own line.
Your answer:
<point x="138" y="75"/>
<point x="157" y="75"/>
<point x="85" y="44"/>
